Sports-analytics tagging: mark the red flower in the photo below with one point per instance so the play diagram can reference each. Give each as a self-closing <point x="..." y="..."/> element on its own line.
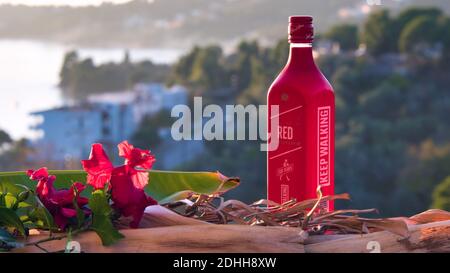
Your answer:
<point x="127" y="182"/>
<point x="135" y="157"/>
<point x="58" y="202"/>
<point x="98" y="167"/>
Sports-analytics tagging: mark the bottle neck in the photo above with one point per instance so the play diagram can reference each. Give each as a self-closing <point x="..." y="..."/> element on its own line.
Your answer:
<point x="301" y="55"/>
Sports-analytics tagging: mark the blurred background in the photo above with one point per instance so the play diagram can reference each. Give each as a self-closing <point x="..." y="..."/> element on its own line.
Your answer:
<point x="74" y="72"/>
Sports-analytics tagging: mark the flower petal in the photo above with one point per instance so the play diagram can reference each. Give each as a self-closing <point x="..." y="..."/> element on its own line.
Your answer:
<point x="135" y="157"/>
<point x="58" y="202"/>
<point x="60" y="220"/>
<point x="39" y="174"/>
<point x="69" y="213"/>
<point x="137" y="216"/>
<point x="125" y="149"/>
<point x="139" y="179"/>
<point x="98" y="167"/>
<point x="78" y="186"/>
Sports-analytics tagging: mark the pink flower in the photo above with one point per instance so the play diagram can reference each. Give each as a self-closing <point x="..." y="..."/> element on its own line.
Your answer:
<point x="98" y="167"/>
<point x="58" y="202"/>
<point x="135" y="157"/>
<point x="126" y="181"/>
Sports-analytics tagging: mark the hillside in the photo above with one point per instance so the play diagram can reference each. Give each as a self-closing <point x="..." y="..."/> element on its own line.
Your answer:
<point x="179" y="23"/>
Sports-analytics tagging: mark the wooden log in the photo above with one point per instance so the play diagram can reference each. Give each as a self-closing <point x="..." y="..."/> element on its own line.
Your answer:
<point x="159" y="216"/>
<point x="197" y="238"/>
<point x="431" y="237"/>
<point x="165" y="231"/>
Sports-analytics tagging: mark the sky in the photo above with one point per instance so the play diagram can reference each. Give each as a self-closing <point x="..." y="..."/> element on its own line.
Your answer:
<point x="61" y="2"/>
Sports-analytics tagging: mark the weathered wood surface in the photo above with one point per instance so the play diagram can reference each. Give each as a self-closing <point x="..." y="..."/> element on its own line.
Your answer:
<point x="429" y="232"/>
<point x="434" y="237"/>
<point x="197" y="238"/>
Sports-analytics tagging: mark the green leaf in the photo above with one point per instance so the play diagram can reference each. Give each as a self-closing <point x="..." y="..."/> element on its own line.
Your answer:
<point x="9" y="218"/>
<point x="161" y="183"/>
<point x="24" y="205"/>
<point x="8" y="200"/>
<point x="41" y="215"/>
<point x="176" y="197"/>
<point x="23" y="196"/>
<point x="101" y="220"/>
<point x="3" y="199"/>
<point x="80" y="213"/>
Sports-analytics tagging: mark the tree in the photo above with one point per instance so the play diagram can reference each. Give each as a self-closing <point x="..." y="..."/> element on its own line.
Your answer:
<point x="445" y="35"/>
<point x="428" y="164"/>
<point x="419" y="32"/>
<point x="408" y="15"/>
<point x="278" y="56"/>
<point x="379" y="33"/>
<point x="441" y="195"/>
<point x="202" y="70"/>
<point x="18" y="156"/>
<point x="81" y="77"/>
<point x="147" y="134"/>
<point x="207" y="69"/>
<point x="70" y="61"/>
<point x="4" y="137"/>
<point x="182" y="69"/>
<point x="242" y="69"/>
<point x="345" y="35"/>
<point x="256" y="92"/>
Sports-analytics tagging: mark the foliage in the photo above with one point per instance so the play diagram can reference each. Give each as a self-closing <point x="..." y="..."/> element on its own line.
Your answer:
<point x="81" y="77"/>
<point x="411" y="14"/>
<point x="15" y="217"/>
<point x="414" y="30"/>
<point x="147" y="134"/>
<point x="423" y="29"/>
<point x="101" y="219"/>
<point x="441" y="195"/>
<point x="4" y="138"/>
<point x="16" y="155"/>
<point x="378" y="33"/>
<point x="345" y="35"/>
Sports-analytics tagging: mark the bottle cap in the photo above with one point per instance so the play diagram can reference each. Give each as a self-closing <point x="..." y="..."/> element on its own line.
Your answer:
<point x="301" y="29"/>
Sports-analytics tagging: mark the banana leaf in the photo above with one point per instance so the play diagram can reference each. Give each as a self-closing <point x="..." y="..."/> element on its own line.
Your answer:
<point x="161" y="183"/>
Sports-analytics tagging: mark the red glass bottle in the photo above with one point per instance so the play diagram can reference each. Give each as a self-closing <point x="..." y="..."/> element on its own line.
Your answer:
<point x="304" y="158"/>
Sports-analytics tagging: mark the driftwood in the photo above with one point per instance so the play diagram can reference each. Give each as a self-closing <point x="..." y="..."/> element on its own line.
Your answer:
<point x="428" y="232"/>
<point x="432" y="237"/>
<point x="198" y="238"/>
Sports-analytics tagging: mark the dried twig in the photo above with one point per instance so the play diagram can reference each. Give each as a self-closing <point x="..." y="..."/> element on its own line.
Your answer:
<point x="307" y="214"/>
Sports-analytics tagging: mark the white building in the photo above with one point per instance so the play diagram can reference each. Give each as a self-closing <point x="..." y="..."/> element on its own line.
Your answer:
<point x="147" y="99"/>
<point x="69" y="131"/>
<point x="108" y="118"/>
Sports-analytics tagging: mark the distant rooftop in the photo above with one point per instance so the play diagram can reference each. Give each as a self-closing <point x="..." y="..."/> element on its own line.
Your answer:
<point x="122" y="97"/>
<point x="80" y="108"/>
<point x="125" y="97"/>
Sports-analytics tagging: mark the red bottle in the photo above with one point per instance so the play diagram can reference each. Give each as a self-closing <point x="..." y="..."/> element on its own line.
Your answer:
<point x="304" y="158"/>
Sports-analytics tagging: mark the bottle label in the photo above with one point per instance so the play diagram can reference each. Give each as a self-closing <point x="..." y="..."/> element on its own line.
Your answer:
<point x="323" y="151"/>
<point x="284" y="193"/>
<point x="286" y="161"/>
<point x="323" y="146"/>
